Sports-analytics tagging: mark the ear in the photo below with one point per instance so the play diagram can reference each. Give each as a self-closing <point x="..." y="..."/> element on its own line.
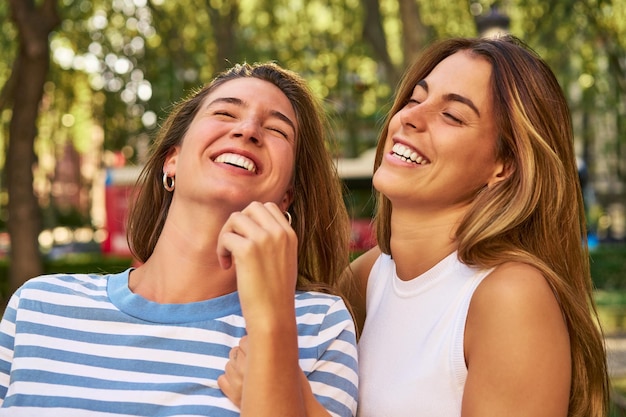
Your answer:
<point x="502" y="171"/>
<point x="287" y="199"/>
<point x="169" y="165"/>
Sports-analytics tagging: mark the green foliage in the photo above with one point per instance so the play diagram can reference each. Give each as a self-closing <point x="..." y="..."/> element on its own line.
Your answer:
<point x="608" y="267"/>
<point x="75" y="263"/>
<point x="55" y="216"/>
<point x="119" y="65"/>
<point x="106" y="52"/>
<point x="8" y="44"/>
<point x="608" y="270"/>
<point x="449" y="18"/>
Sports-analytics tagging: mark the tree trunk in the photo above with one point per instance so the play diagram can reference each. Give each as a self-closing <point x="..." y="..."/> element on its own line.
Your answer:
<point x="34" y="24"/>
<point x="374" y="34"/>
<point x="414" y="34"/>
<point x="224" y="25"/>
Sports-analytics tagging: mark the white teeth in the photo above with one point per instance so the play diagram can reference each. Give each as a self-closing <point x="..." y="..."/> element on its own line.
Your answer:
<point x="407" y="154"/>
<point x="236" y="160"/>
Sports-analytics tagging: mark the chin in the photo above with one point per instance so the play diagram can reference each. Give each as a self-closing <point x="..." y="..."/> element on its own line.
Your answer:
<point x="381" y="178"/>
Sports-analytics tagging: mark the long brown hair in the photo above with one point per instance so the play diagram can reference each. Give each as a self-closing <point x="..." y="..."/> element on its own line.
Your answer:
<point x="320" y="218"/>
<point x="536" y="215"/>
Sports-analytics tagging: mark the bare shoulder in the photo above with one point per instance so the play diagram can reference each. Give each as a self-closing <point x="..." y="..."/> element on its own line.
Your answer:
<point x="516" y="346"/>
<point x="515" y="296"/>
<point x="515" y="282"/>
<point x="362" y="266"/>
<point x="360" y="271"/>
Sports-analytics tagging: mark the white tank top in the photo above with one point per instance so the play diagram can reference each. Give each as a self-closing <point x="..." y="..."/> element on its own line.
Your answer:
<point x="411" y="360"/>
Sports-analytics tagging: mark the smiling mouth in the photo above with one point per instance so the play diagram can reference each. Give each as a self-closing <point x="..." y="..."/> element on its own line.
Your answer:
<point x="235" y="160"/>
<point x="407" y="154"/>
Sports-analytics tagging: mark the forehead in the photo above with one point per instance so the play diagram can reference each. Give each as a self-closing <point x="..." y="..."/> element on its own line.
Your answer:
<point x="465" y="74"/>
<point x="253" y="91"/>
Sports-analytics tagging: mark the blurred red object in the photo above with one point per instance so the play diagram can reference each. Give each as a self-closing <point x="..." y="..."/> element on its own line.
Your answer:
<point x="363" y="237"/>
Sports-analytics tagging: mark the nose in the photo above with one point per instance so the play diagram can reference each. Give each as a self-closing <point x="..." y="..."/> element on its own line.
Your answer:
<point x="248" y="129"/>
<point x="413" y="116"/>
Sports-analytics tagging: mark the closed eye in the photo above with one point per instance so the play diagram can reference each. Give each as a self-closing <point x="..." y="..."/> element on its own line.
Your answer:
<point x="411" y="102"/>
<point x="453" y="118"/>
<point x="223" y="113"/>
<point x="279" y="131"/>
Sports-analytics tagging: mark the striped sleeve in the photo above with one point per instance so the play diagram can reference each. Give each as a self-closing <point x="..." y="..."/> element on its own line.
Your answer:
<point x="67" y="348"/>
<point x="7" y="340"/>
<point x="333" y="374"/>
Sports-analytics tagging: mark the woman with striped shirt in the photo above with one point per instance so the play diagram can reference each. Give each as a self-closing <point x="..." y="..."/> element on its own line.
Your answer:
<point x="241" y="230"/>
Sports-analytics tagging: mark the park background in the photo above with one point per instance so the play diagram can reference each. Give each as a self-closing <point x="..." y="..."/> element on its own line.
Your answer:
<point x="84" y="85"/>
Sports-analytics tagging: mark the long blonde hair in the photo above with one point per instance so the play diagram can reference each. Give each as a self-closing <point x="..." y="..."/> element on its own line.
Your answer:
<point x="536" y="215"/>
<point x="320" y="217"/>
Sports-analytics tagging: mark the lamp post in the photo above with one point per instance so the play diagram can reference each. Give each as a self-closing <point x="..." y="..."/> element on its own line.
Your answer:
<point x="492" y="24"/>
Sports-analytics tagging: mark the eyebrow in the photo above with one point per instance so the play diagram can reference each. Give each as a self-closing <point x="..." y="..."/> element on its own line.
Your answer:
<point x="453" y="97"/>
<point x="240" y="102"/>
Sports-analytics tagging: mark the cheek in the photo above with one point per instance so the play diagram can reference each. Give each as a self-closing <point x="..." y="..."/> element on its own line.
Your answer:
<point x="395" y="122"/>
<point x="285" y="158"/>
<point x="476" y="169"/>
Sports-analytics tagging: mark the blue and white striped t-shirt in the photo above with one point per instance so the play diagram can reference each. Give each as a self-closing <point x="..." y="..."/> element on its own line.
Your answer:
<point x="85" y="345"/>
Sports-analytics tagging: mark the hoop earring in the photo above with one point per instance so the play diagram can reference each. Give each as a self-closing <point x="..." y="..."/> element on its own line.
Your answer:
<point x="166" y="184"/>
<point x="288" y="216"/>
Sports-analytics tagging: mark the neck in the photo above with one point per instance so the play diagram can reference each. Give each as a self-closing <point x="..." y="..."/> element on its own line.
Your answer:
<point x="421" y="240"/>
<point x="184" y="266"/>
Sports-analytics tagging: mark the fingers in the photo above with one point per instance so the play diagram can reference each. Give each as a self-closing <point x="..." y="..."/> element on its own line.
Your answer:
<point x="243" y="344"/>
<point x="237" y="355"/>
<point x="231" y="382"/>
<point x="259" y="222"/>
<point x="281" y="218"/>
<point x="229" y="389"/>
<point x="263" y="247"/>
<point x="255" y="217"/>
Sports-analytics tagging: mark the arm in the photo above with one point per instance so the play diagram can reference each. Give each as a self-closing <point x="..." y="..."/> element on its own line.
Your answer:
<point x="231" y="382"/>
<point x="329" y="386"/>
<point x="516" y="347"/>
<point x="262" y="247"/>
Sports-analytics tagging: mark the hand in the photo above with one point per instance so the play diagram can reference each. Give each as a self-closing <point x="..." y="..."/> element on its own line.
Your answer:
<point x="260" y="243"/>
<point x="231" y="381"/>
<point x="263" y="248"/>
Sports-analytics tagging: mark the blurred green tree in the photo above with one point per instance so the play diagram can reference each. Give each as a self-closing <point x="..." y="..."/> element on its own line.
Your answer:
<point x="117" y="66"/>
<point x="23" y="92"/>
